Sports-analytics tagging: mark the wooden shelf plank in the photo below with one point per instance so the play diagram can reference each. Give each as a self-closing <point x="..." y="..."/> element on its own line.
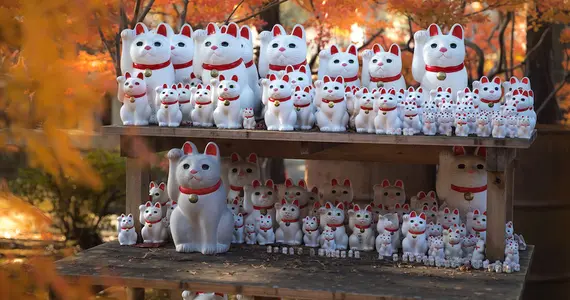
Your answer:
<point x="250" y="270"/>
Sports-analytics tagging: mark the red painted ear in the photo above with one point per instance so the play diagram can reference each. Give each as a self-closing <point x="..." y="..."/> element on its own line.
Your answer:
<point x="289" y="69"/>
<point x="356" y="207"/>
<point x="530" y="93"/>
<point x="192" y="76"/>
<point x="208" y="87"/>
<point x="315" y="190"/>
<point x="525" y="93"/>
<point x="298" y="31"/>
<point x="484" y="79"/>
<point x="421" y="195"/>
<point x="334" y="49"/>
<point x="467" y="90"/>
<point x="516" y="92"/>
<point x="162" y="186"/>
<point x="481" y="151"/>
<point x="212" y="149"/>
<point x="334" y="182"/>
<point x="140" y="76"/>
<point x="285" y="78"/>
<point x="458" y="150"/>
<point x="446" y="211"/>
<point x="395" y="49"/>
<point x="365" y="90"/>
<point x="423" y="216"/>
<point x="252" y="158"/>
<point x="302" y="183"/>
<point x="179" y="86"/>
<point x="235" y="157"/>
<point x="397" y="206"/>
<point x="140" y="28"/>
<point x="297" y="89"/>
<point x="385" y="183"/>
<point x="276" y="30"/>
<point x="272" y="77"/>
<point x="399" y="183"/>
<point x="326" y="79"/>
<point x="392" y="91"/>
<point x="457" y="31"/>
<point x="296" y="202"/>
<point x="411" y="89"/>
<point x="406" y="206"/>
<point x="347" y="90"/>
<point x="187" y="86"/>
<point x="431" y="194"/>
<point x="377" y="48"/>
<point x="151" y="185"/>
<point x="525" y="80"/>
<point x="255" y="183"/>
<point x="186" y="30"/>
<point x="283" y="202"/>
<point x="148" y="204"/>
<point x="328" y="205"/>
<point x="224" y="29"/>
<point x="307" y="89"/>
<point x="303" y="69"/>
<point x="128" y="75"/>
<point x="235" y="78"/>
<point x="476" y="91"/>
<point x="485" y="213"/>
<point x="164" y="86"/>
<point x="339" y="79"/>
<point x="316" y="205"/>
<point x="476" y="212"/>
<point x="157" y="205"/>
<point x="456" y="211"/>
<point x="211" y="28"/>
<point x="434" y="209"/>
<point x="513" y="80"/>
<point x="425" y="208"/>
<point x="433" y="29"/>
<point x="347" y="183"/>
<point x="288" y="182"/>
<point x="340" y="206"/>
<point x="188" y="148"/>
<point x="173" y="86"/>
<point x="368" y="208"/>
<point x="233" y="29"/>
<point x="244" y="32"/>
<point x="222" y="78"/>
<point x="413" y="214"/>
<point x="161" y="29"/>
<point x="352" y="50"/>
<point x="269" y="183"/>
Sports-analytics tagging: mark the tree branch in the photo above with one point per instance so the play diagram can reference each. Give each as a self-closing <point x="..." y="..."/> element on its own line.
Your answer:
<point x="183" y="13"/>
<point x="372" y="38"/>
<point x="136" y="13"/>
<point x="234" y="11"/>
<point x="480" y="55"/>
<point x="264" y="8"/>
<point x="145" y="11"/>
<point x="499" y="68"/>
<point x="511" y="56"/>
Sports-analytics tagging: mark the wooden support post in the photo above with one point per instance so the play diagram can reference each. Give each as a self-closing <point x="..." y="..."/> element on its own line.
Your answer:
<point x="510" y="186"/>
<point x="138" y="177"/>
<point x="135" y="293"/>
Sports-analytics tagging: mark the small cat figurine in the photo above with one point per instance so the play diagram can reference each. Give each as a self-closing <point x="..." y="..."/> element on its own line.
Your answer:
<point x="280" y="113"/>
<point x="169" y="113"/>
<point x="202" y="114"/>
<point x="468" y="245"/>
<point x="499" y="130"/>
<point x="193" y="80"/>
<point x="259" y="200"/>
<point x="524" y="129"/>
<point x="441" y="96"/>
<point x="509" y="230"/>
<point x="524" y="102"/>
<point x="390" y="223"/>
<point x="246" y="40"/>
<point x="311" y="235"/>
<point x="461" y="125"/>
<point x="154" y="230"/>
<point x="188" y="295"/>
<point x="364" y="110"/>
<point x="182" y="53"/>
<point x="250" y="234"/>
<point x="401" y="210"/>
<point x="478" y="254"/>
<point x="438" y="59"/>
<point x="453" y="245"/>
<point x="448" y="218"/>
<point x="337" y="192"/>
<point x="333" y="217"/>
<point x="384" y="244"/>
<point x="477" y="224"/>
<point x="415" y="95"/>
<point x="185" y="101"/>
<point x="434" y="229"/>
<point x="238" y="234"/>
<point x="240" y="173"/>
<point x="387" y="120"/>
<point x="297" y="192"/>
<point x="298" y="77"/>
<point x="431" y="213"/>
<point x="227" y="113"/>
<point x="157" y="193"/>
<point x="429" y="121"/>
<point x="248" y="118"/>
<point x="315" y="211"/>
<point x="389" y="195"/>
<point x="133" y="94"/>
<point x="512" y="252"/>
<point x="331" y="100"/>
<point x="289" y="231"/>
<point x="490" y="93"/>
<point x="422" y="199"/>
<point x="362" y="237"/>
<point x="127" y="233"/>
<point x="303" y="102"/>
<point x="328" y="239"/>
<point x="514" y="84"/>
<point x="382" y="69"/>
<point x="483" y="124"/>
<point x="411" y="118"/>
<point x="264" y="227"/>
<point x="445" y="121"/>
<point x="278" y="50"/>
<point x="171" y="207"/>
<point x="415" y="241"/>
<point x="436" y="247"/>
<point x="334" y="62"/>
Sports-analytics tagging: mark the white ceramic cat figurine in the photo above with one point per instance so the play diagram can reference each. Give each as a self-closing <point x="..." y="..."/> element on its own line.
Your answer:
<point x="461" y="125"/>
<point x="202" y="100"/>
<point x="303" y="102"/>
<point x="468" y="245"/>
<point x="241" y="173"/>
<point x="382" y="69"/>
<point x="297" y="192"/>
<point x="333" y="63"/>
<point x="490" y="92"/>
<point x="182" y="53"/>
<point x="447" y="218"/>
<point x="259" y="200"/>
<point x="524" y="129"/>
<point x="411" y="118"/>
<point x="193" y="80"/>
<point x="332" y="115"/>
<point x="171" y="207"/>
<point x="390" y="223"/>
<point x="401" y="210"/>
<point x="483" y="124"/>
<point x="387" y="120"/>
<point x="362" y="237"/>
<point x="434" y="230"/>
<point x="453" y="245"/>
<point x="328" y="239"/>
<point x="431" y="213"/>
<point x="248" y="116"/>
<point x="189" y="295"/>
<point x="438" y="59"/>
<point x="389" y="195"/>
<point x="364" y="110"/>
<point x="148" y="52"/>
<point x="132" y="92"/>
<point x="250" y="234"/>
<point x="289" y="231"/>
<point x="157" y="193"/>
<point x="422" y="199"/>
<point x="415" y="241"/>
<point x="514" y="84"/>
<point x="478" y="253"/>
<point x="238" y="233"/>
<point x="299" y="77"/>
<point x="127" y="233"/>
<point x="512" y="252"/>
<point x="185" y="101"/>
<point x="436" y="248"/>
<point x="154" y="230"/>
<point x="311" y="234"/>
<point x="278" y="50"/>
<point x="384" y="244"/>
<point x="338" y="192"/>
<point x="461" y="179"/>
<point x="477" y="224"/>
<point x="228" y="110"/>
<point x="280" y="113"/>
<point x="524" y="101"/>
<point x="169" y="113"/>
<point x="201" y="222"/>
<point x="441" y="96"/>
<point x="333" y="217"/>
<point x="264" y="227"/>
<point x="246" y="40"/>
<point x="415" y="95"/>
<point x="429" y="121"/>
<point x="445" y="121"/>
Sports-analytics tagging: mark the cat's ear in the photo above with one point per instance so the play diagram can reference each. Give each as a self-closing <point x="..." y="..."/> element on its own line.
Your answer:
<point x="288" y="183"/>
<point x="399" y="183"/>
<point x="385" y="183"/>
<point x="252" y="158"/>
<point x="157" y="205"/>
<point x="127" y="75"/>
<point x="334" y="182"/>
<point x="299" y="31"/>
<point x="485" y="213"/>
<point x="235" y="78"/>
<point x="352" y="49"/>
<point x="164" y="86"/>
<point x="347" y="90"/>
<point x="525" y="80"/>
<point x="411" y="89"/>
<point x="392" y="92"/>
<point x="148" y="204"/>
<point x="269" y="183"/>
<point x="212" y="150"/>
<point x="130" y="215"/>
<point x="356" y="207"/>
<point x="208" y="87"/>
<point x="395" y="49"/>
<point x="296" y="202"/>
<point x="334" y="49"/>
<point x="162" y="186"/>
<point x="235" y="157"/>
<point x="347" y="183"/>
<point x="151" y="185"/>
<point x="434" y="29"/>
<point x="484" y="79"/>
<point x="285" y="78"/>
<point x="212" y="28"/>
<point x="179" y="86"/>
<point x="368" y="208"/>
<point x="497" y="80"/>
<point x="456" y="211"/>
<point x="277" y="30"/>
<point x="283" y="202"/>
<point x="422" y="216"/>
<point x="233" y="29"/>
<point x="513" y="80"/>
<point x="302" y="183"/>
<point x="339" y="79"/>
<point x="431" y="194"/>
<point x="140" y="76"/>
<point x="458" y="150"/>
<point x="457" y="31"/>
<point x="140" y="28"/>
<point x="377" y="48"/>
<point x="406" y="206"/>
<point x="316" y="205"/>
<point x="186" y="30"/>
<point x="420" y="90"/>
<point x="340" y="206"/>
<point x="189" y="148"/>
<point x="448" y="90"/>
<point x="303" y="69"/>
<point x="245" y="33"/>
<point x="315" y="190"/>
<point x="192" y="75"/>
<point x="326" y="79"/>
<point x="328" y="205"/>
<point x="255" y="183"/>
<point x="413" y="214"/>
<point x="421" y="195"/>
<point x="481" y="151"/>
<point x="187" y="86"/>
<point x="297" y="89"/>
<point x="272" y="77"/>
<point x="289" y="69"/>
<point x="162" y="30"/>
<point x="173" y="86"/>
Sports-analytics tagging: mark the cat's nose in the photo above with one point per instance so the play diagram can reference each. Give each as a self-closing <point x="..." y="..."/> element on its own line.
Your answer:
<point x="214" y="47"/>
<point x="330" y="91"/>
<point x="443" y="49"/>
<point x="385" y="100"/>
<point x="225" y="89"/>
<point x="380" y="64"/>
<point x="344" y="64"/>
<point x="275" y="90"/>
<point x="491" y="92"/>
<point x="171" y="47"/>
<point x="193" y="171"/>
<point x="282" y="49"/>
<point x="147" y="47"/>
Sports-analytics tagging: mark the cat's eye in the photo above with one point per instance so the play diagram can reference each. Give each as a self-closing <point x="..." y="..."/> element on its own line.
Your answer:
<point x="448" y="97"/>
<point x="366" y="216"/>
<point x="421" y="222"/>
<point x="385" y="193"/>
<point x="453" y="45"/>
<point x="336" y="87"/>
<point x="208" y="44"/>
<point x="484" y="220"/>
<point x="136" y="83"/>
<point x="345" y="192"/>
<point x="284" y="209"/>
<point x="146" y="211"/>
<point x="233" y="208"/>
<point x="286" y="193"/>
<point x="334" y="191"/>
<point x="351" y="61"/>
<point x="275" y="45"/>
<point x="300" y="78"/>
<point x="192" y="83"/>
<point x="330" y="213"/>
<point x="225" y="44"/>
<point x="234" y="170"/>
<point x="496" y="88"/>
<point x="155" y="212"/>
<point x="338" y="214"/>
<point x="480" y="167"/>
<point x="270" y="86"/>
<point x="474" y="218"/>
<point x="231" y="86"/>
<point x="433" y="46"/>
<point x="282" y="86"/>
<point x="241" y="206"/>
<point x="139" y="44"/>
<point x="292" y="209"/>
<point x="438" y="95"/>
<point x="205" y="167"/>
<point x="298" y="193"/>
<point x="171" y="93"/>
<point x="249" y="170"/>
<point x="485" y="88"/>
<point x="461" y="166"/>
<point x="358" y="215"/>
<point x="411" y="221"/>
<point x="325" y="88"/>
<point x="257" y="193"/>
<point x="312" y="198"/>
<point x="510" y="89"/>
<point x="389" y="60"/>
<point x="270" y="193"/>
<point x="157" y="194"/>
<point x="221" y="86"/>
<point x="186" y="166"/>
<point x="375" y="60"/>
<point x="181" y="44"/>
<point x="397" y="193"/>
<point x="157" y="44"/>
<point x="336" y="61"/>
<point x="292" y="45"/>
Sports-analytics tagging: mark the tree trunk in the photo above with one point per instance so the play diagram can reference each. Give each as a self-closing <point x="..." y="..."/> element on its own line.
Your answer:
<point x="271" y="17"/>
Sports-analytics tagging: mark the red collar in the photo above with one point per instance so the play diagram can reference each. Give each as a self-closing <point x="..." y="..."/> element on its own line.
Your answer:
<point x="391" y="229"/>
<point x="410" y="116"/>
<point x="281" y="68"/>
<point x="184" y="102"/>
<point x="249" y="232"/>
<point x="238" y="226"/>
<point x="311" y="230"/>
<point x="462" y="189"/>
<point x="490" y="101"/>
<point x="127" y="228"/>
<point x="385" y="79"/>
<point x="330" y="239"/>
<point x="366" y="108"/>
<point x="182" y="66"/>
<point x="462" y="123"/>
<point x="249" y="63"/>
<point x="290" y="221"/>
<point x="169" y="103"/>
<point x="248" y="117"/>
<point x="203" y="103"/>
<point x="445" y="227"/>
<point x="265" y="228"/>
<point x="152" y="67"/>
<point x="525" y="109"/>
<point x="236" y="188"/>
<point x="202" y="191"/>
<point x="333" y="101"/>
<point x="335" y="226"/>
<point x="445" y="69"/>
<point x="454" y="243"/>
<point x="135" y="96"/>
<point x="279" y="99"/>
<point x="388" y="109"/>
<point x="479" y="230"/>
<point x="362" y="226"/>
<point x="224" y="67"/>
<point x="303" y="206"/>
<point x="351" y="79"/>
<point x="229" y="99"/>
<point x="416" y="232"/>
<point x="301" y="105"/>
<point x="217" y="294"/>
<point x="152" y="222"/>
<point x="262" y="207"/>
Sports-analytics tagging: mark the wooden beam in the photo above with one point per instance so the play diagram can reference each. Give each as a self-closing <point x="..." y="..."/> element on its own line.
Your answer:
<point x="135" y="293"/>
<point x="138" y="178"/>
<point x="496" y="216"/>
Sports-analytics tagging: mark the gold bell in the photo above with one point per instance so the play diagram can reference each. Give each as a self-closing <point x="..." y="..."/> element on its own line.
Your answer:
<point x="193" y="198"/>
<point x="165" y="106"/>
<point x="361" y="230"/>
<point x="263" y="211"/>
<point x="147" y="73"/>
<point x="132" y="99"/>
<point x="214" y="73"/>
<point x="491" y="104"/>
<point x="366" y="111"/>
<point x="380" y="84"/>
<point x="298" y="108"/>
<point x="149" y="225"/>
<point x="441" y="75"/>
<point x="199" y="106"/>
<point x="277" y="103"/>
<point x="227" y="103"/>
<point x="331" y="105"/>
<point x="384" y="113"/>
<point x="468" y="196"/>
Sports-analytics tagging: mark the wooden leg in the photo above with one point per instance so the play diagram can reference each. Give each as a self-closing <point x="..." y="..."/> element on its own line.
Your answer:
<point x="135" y="294"/>
<point x="138" y="177"/>
<point x="496" y="215"/>
<point x="510" y="189"/>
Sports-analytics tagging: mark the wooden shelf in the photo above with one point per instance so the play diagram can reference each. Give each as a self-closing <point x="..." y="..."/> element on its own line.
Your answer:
<point x="250" y="270"/>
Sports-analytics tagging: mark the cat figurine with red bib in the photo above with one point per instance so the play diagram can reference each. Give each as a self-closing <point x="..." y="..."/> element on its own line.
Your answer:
<point x="333" y="63"/>
<point x="280" y="113"/>
<point x="133" y="94"/>
<point x="382" y="69"/>
<point x="279" y="49"/>
<point x="490" y="93"/>
<point x="332" y="115"/>
<point x="227" y="114"/>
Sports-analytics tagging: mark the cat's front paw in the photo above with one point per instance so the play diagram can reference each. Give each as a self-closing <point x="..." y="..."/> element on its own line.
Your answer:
<point x="142" y="207"/>
<point x="265" y="36"/>
<point x="324" y="54"/>
<point x="199" y="34"/>
<point x="186" y="248"/>
<point x="209" y="249"/>
<point x="265" y="82"/>
<point x="421" y="37"/>
<point x="319" y="84"/>
<point x="121" y="79"/>
<point x="128" y="34"/>
<point x="175" y="154"/>
<point x="367" y="54"/>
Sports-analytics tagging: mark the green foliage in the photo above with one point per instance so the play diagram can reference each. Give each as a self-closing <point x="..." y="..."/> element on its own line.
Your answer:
<point x="78" y="210"/>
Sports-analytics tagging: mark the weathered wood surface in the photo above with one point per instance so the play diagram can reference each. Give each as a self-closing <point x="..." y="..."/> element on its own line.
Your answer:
<point x="250" y="270"/>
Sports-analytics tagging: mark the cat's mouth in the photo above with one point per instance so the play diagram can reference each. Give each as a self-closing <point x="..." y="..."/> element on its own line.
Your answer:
<point x="195" y="178"/>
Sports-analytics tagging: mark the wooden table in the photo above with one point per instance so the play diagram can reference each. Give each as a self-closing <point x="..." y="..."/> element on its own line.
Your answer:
<point x="138" y="142"/>
<point x="250" y="270"/>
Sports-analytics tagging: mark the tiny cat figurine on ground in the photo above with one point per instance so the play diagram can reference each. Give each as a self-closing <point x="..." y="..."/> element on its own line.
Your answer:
<point x="169" y="113"/>
<point x="185" y="101"/>
<point x="289" y="231"/>
<point x="331" y="100"/>
<point x="311" y="233"/>
<point x="387" y="120"/>
<point x="264" y="227"/>
<point x="384" y="244"/>
<point x="202" y="100"/>
<point x="436" y="248"/>
<point x="250" y="234"/>
<point x="154" y="230"/>
<point x="415" y="241"/>
<point x="333" y="217"/>
<point x="461" y="125"/>
<point x="228" y="110"/>
<point x="445" y="121"/>
<point x="303" y="102"/>
<point x="248" y="118"/>
<point x="328" y="239"/>
<point x="362" y="237"/>
<point x="127" y="233"/>
<point x="132" y="93"/>
<point x="390" y="223"/>
<point x="280" y="113"/>
<point x="238" y="233"/>
<point x="382" y="69"/>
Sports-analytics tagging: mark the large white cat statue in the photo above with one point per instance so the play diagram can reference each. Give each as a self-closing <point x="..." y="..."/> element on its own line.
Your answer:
<point x="333" y="63"/>
<point x="182" y="53"/>
<point x="201" y="222"/>
<point x="381" y="69"/>
<point x="278" y="50"/>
